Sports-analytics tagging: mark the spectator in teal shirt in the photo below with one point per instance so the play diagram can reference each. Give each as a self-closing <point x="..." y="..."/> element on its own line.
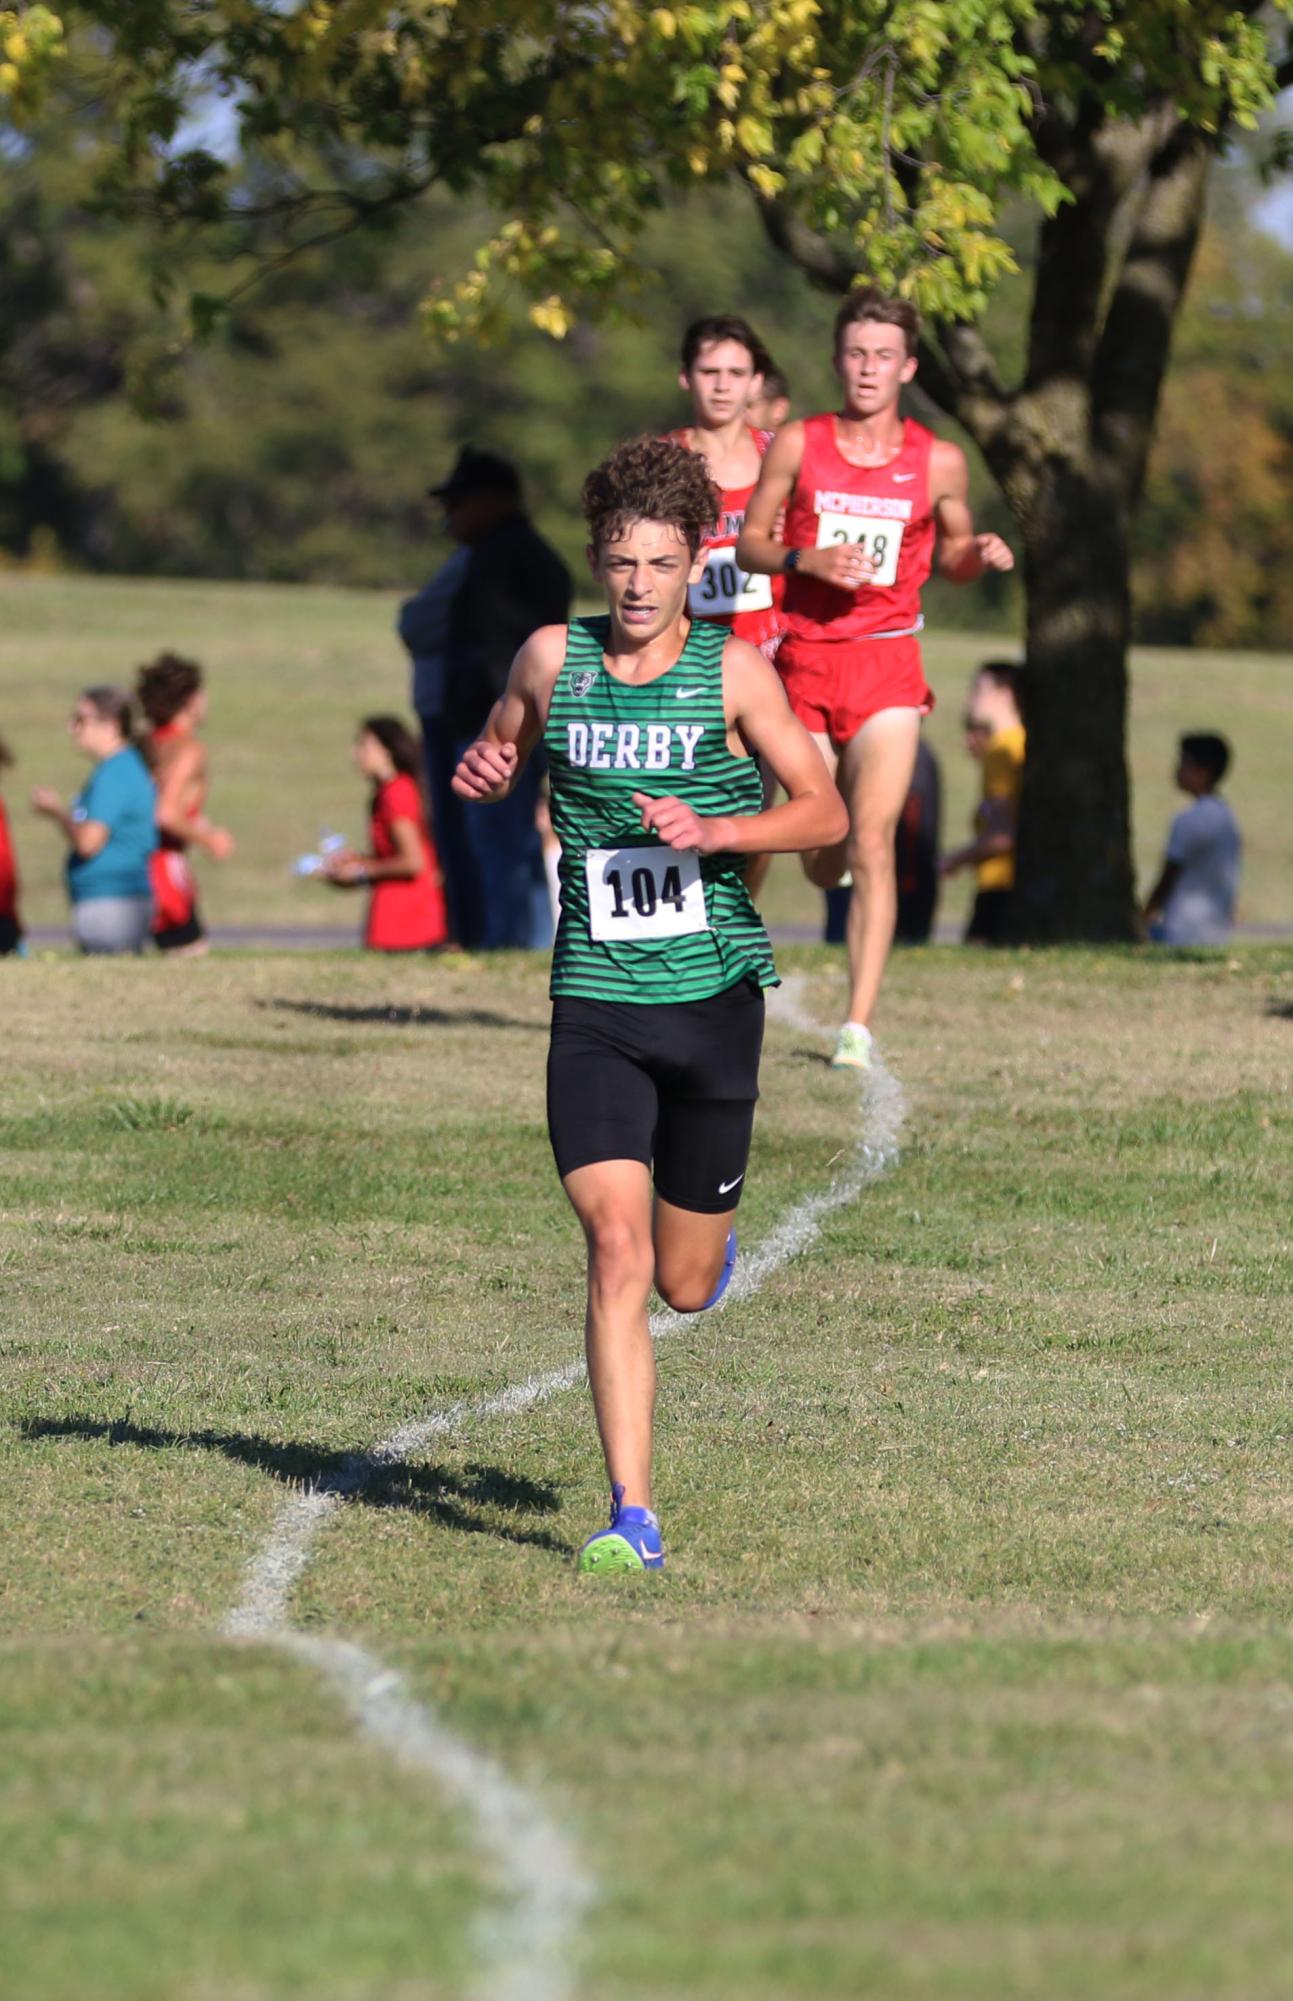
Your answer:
<point x="110" y="828"/>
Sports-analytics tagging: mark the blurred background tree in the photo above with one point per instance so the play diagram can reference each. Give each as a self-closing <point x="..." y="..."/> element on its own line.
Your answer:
<point x="1215" y="533"/>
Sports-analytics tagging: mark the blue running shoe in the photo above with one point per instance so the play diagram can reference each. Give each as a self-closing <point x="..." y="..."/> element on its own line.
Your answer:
<point x="632" y="1542"/>
<point x="725" y="1276"/>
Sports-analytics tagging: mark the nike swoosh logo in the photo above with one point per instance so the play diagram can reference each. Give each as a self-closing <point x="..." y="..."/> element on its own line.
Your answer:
<point x="685" y="694"/>
<point x="904" y="475"/>
<point x="726" y="1187"/>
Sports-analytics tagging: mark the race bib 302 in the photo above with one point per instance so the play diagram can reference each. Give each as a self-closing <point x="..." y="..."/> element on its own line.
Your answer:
<point x="725" y="587"/>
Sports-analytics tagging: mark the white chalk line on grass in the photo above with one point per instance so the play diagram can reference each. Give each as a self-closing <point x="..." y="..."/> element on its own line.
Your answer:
<point x="526" y="1946"/>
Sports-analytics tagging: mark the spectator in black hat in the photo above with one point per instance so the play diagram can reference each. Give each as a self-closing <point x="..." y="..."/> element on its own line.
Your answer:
<point x="463" y="632"/>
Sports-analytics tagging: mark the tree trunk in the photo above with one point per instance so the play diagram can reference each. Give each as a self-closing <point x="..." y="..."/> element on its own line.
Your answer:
<point x="1074" y="875"/>
<point x="1069" y="450"/>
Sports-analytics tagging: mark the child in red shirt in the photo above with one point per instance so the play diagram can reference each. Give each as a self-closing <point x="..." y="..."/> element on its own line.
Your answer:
<point x="10" y="928"/>
<point x="407" y="910"/>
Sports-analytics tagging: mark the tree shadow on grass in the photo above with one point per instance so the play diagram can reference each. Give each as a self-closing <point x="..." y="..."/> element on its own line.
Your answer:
<point x="474" y="1500"/>
<point x="403" y="1017"/>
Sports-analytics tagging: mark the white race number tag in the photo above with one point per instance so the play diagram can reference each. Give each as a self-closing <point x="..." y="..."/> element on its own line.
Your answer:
<point x="724" y="588"/>
<point x="644" y="893"/>
<point x="876" y="533"/>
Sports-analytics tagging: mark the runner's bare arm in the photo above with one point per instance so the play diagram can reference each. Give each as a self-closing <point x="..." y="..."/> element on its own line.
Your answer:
<point x="759" y="548"/>
<point x="178" y="767"/>
<point x="181" y="786"/>
<point x="814" y="815"/>
<point x="490" y="767"/>
<point x="963" y="556"/>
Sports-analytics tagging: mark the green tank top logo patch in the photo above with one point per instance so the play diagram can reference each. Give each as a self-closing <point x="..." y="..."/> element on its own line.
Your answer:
<point x="641" y="921"/>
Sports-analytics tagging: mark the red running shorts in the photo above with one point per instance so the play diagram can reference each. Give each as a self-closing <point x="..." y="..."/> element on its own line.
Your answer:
<point x="175" y="900"/>
<point x="836" y="685"/>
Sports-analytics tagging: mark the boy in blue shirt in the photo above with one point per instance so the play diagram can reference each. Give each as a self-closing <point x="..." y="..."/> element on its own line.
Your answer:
<point x="1193" y="901"/>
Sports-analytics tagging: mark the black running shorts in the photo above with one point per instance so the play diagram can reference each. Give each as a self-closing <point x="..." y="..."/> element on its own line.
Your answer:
<point x="670" y="1083"/>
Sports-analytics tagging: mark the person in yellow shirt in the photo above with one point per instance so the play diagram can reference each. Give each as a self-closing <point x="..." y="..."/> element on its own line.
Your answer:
<point x="994" y="735"/>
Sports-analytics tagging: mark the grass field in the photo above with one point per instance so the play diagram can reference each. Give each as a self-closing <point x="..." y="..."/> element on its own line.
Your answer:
<point x="292" y="670"/>
<point x="972" y="1673"/>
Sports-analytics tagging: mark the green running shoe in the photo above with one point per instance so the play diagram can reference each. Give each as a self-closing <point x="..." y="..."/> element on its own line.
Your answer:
<point x="854" y="1047"/>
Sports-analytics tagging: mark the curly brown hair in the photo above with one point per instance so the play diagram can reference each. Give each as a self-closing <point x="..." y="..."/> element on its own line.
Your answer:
<point x="165" y="685"/>
<point x="650" y="479"/>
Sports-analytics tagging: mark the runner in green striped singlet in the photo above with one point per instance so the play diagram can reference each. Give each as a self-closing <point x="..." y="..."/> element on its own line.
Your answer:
<point x="608" y="740"/>
<point x="653" y="725"/>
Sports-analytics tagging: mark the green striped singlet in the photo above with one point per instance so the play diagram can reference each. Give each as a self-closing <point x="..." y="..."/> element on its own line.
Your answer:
<point x="639" y="921"/>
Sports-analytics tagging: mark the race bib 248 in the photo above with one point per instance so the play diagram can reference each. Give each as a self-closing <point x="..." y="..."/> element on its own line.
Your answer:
<point x="880" y="536"/>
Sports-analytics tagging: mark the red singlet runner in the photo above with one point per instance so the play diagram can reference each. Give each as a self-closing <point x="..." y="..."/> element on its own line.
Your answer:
<point x="848" y="654"/>
<point x="176" y="920"/>
<point x="750" y="604"/>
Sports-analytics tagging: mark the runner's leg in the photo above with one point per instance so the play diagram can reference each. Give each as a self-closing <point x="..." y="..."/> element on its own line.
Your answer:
<point x="612" y="1199"/>
<point x="875" y="776"/>
<point x="689" y="1254"/>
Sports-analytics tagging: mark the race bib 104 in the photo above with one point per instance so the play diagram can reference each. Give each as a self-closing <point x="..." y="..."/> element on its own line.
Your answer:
<point x="724" y="588"/>
<point x="876" y="533"/>
<point x="644" y="893"/>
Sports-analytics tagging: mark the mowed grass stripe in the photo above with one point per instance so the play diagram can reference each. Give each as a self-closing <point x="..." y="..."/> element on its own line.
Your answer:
<point x="972" y="1673"/>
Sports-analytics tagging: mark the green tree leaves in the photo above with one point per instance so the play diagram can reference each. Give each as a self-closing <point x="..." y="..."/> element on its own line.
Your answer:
<point x="892" y="130"/>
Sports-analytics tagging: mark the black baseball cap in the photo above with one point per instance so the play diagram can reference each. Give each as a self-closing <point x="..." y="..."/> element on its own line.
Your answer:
<point x="477" y="472"/>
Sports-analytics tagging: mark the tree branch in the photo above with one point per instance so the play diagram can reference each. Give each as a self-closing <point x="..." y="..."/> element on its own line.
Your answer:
<point x="958" y="370"/>
<point x="936" y="378"/>
<point x="818" y="259"/>
<point x="268" y="268"/>
<point x="1137" y="336"/>
<point x="972" y="358"/>
<point x="1103" y="165"/>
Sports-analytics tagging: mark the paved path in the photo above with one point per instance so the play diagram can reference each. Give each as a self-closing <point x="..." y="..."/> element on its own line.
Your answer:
<point x="244" y="937"/>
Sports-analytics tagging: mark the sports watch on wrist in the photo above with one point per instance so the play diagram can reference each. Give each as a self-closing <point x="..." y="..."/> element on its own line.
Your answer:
<point x="792" y="560"/>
